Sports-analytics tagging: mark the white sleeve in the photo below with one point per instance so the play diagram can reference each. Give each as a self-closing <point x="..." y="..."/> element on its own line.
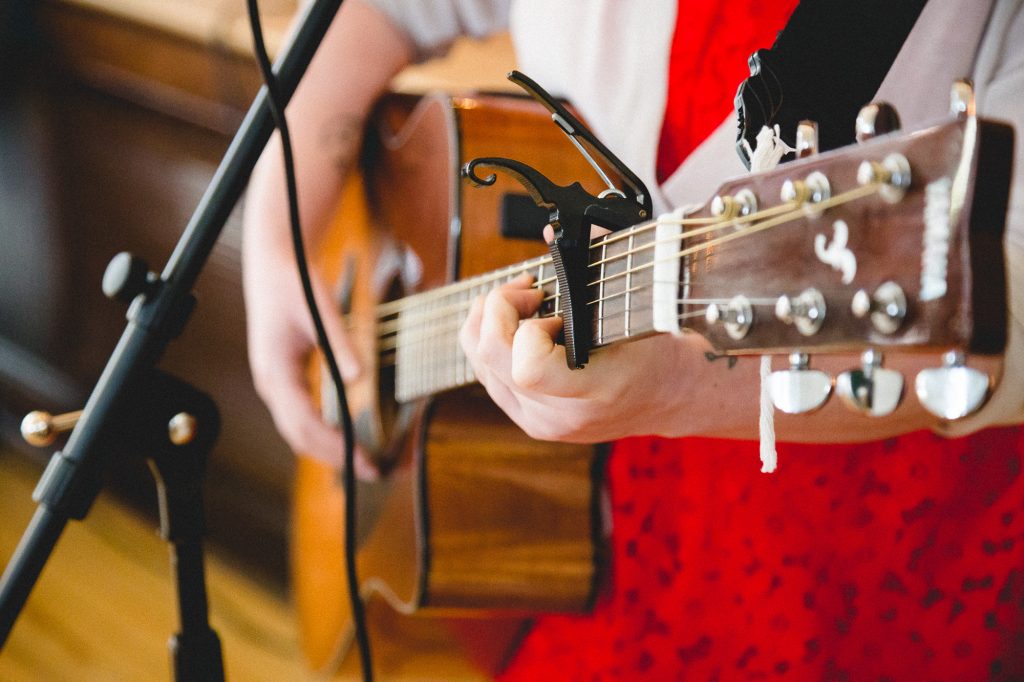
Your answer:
<point x="432" y="25"/>
<point x="999" y="83"/>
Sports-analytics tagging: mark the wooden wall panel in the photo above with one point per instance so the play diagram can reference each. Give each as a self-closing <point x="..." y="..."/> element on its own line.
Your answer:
<point x="128" y="123"/>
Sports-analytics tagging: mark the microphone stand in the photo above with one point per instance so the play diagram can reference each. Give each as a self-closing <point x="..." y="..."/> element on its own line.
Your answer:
<point x="131" y="391"/>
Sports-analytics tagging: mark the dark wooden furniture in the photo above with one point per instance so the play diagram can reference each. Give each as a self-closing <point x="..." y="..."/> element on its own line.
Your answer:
<point x="110" y="130"/>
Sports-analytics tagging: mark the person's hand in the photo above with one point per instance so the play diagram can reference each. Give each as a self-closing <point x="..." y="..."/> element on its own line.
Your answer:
<point x="281" y="340"/>
<point x="627" y="389"/>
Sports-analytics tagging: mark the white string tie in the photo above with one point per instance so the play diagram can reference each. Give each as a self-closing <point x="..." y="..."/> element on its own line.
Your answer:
<point x="770" y="150"/>
<point x="766" y="424"/>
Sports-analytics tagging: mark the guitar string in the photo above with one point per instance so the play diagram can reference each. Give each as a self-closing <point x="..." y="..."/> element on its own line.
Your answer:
<point x="709" y="225"/>
<point x="449" y="328"/>
<point x="508" y="273"/>
<point x="393" y="307"/>
<point x="721" y="224"/>
<point x="390" y="307"/>
<point x="787" y="211"/>
<point x="799" y="211"/>
<point x="456" y="307"/>
<point x="429" y="377"/>
<point x="446" y="325"/>
<point x="440" y="372"/>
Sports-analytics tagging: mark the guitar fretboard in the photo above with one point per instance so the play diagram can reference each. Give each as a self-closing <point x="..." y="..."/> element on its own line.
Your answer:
<point x="423" y="329"/>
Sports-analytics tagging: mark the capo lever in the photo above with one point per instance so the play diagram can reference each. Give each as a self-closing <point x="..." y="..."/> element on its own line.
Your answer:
<point x="572" y="212"/>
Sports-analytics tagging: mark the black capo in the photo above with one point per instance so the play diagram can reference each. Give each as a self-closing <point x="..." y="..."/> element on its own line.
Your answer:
<point x="573" y="211"/>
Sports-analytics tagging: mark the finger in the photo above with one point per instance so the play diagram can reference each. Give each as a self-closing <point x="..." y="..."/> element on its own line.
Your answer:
<point x="469" y="341"/>
<point x="469" y="333"/>
<point x="595" y="232"/>
<point x="503" y="308"/>
<point x="537" y="363"/>
<point x="301" y="425"/>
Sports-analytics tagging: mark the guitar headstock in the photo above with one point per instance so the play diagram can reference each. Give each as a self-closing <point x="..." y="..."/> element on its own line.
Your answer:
<point x="893" y="243"/>
<point x="896" y="242"/>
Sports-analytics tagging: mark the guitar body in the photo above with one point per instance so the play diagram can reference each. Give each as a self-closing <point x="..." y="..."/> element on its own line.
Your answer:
<point x="474" y="526"/>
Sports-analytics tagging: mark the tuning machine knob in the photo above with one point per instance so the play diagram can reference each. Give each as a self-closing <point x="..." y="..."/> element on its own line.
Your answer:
<point x="877" y="118"/>
<point x="954" y="390"/>
<point x="737" y="316"/>
<point x="871" y="389"/>
<point x="887" y="307"/>
<point x="807" y="193"/>
<point x="892" y="174"/>
<point x="740" y="205"/>
<point x="806" y="311"/>
<point x="799" y="389"/>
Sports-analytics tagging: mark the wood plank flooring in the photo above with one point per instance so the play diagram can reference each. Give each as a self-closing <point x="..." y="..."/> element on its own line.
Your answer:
<point x="105" y="606"/>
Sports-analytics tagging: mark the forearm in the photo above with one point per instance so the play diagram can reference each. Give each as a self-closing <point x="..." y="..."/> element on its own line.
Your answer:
<point x="362" y="51"/>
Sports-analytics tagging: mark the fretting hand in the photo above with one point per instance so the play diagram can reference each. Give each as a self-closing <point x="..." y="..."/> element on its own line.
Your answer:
<point x="622" y="392"/>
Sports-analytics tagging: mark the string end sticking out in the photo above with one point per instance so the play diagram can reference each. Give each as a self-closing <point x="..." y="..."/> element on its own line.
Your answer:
<point x="770" y="148"/>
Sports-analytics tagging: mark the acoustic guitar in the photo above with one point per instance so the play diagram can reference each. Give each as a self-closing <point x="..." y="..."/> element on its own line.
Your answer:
<point x="474" y="527"/>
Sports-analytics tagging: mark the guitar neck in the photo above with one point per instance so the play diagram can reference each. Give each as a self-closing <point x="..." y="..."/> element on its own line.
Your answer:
<point x="422" y="330"/>
<point x="876" y="246"/>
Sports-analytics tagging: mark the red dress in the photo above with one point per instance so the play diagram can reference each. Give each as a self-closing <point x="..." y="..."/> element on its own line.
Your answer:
<point x="895" y="560"/>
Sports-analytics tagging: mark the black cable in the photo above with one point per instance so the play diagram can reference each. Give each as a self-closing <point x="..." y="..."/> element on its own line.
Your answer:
<point x="349" y="478"/>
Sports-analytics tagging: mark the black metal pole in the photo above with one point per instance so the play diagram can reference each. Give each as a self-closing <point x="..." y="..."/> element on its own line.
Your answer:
<point x="68" y="486"/>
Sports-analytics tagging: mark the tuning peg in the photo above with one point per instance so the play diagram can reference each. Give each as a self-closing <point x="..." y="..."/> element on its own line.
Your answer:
<point x="892" y="173"/>
<point x="807" y="193"/>
<point x="799" y="389"/>
<point x="737" y="316"/>
<point x="806" y="311"/>
<point x="887" y="307"/>
<point x="871" y="389"/>
<point x="954" y="390"/>
<point x="961" y="98"/>
<point x="806" y="139"/>
<point x="877" y="118"/>
<point x="742" y="204"/>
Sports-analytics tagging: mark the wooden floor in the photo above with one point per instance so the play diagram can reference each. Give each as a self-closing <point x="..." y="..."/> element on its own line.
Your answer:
<point x="104" y="606"/>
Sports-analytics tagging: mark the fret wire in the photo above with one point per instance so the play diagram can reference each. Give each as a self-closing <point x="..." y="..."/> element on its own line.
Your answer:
<point x="629" y="283"/>
<point x="601" y="299"/>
